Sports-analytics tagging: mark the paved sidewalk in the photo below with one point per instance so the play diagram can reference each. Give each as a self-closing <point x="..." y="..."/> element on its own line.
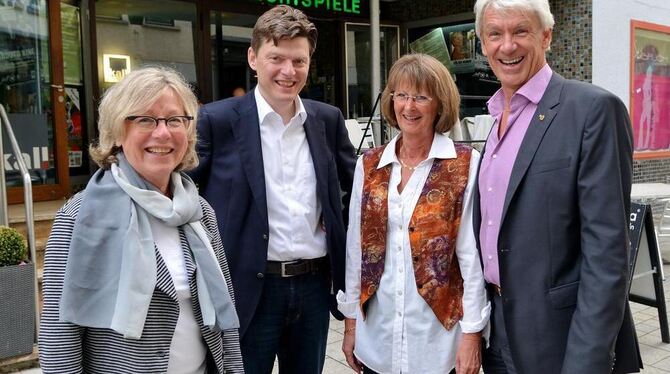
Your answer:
<point x="655" y="354"/>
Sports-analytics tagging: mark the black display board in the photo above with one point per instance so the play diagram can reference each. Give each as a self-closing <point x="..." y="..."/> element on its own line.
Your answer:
<point x="646" y="286"/>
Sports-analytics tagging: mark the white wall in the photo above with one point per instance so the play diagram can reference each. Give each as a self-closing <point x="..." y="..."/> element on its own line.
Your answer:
<point x="611" y="39"/>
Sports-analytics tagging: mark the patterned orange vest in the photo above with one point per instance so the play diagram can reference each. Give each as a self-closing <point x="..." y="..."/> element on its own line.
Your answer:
<point x="433" y="229"/>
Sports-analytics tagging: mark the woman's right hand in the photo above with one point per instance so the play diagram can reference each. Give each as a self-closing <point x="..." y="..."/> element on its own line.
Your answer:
<point x="348" y="344"/>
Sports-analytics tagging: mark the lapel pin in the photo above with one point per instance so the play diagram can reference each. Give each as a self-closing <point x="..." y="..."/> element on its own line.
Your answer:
<point x="541" y="117"/>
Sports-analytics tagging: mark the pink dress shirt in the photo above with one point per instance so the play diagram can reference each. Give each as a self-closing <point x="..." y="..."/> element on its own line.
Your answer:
<point x="498" y="161"/>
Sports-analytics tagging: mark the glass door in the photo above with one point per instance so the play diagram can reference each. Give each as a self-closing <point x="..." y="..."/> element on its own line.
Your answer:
<point x="359" y="75"/>
<point x="229" y="38"/>
<point x="33" y="94"/>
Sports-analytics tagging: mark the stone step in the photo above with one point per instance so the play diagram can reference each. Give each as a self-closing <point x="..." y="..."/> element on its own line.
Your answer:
<point x="13" y="364"/>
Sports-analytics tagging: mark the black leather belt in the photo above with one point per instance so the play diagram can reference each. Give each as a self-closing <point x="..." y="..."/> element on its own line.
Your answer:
<point x="298" y="267"/>
<point x="494" y="288"/>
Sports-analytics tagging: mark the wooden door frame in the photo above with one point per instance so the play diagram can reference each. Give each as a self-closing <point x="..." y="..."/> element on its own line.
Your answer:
<point x="60" y="189"/>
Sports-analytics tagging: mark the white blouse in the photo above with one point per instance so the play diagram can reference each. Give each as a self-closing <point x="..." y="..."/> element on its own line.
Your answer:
<point x="187" y="350"/>
<point x="401" y="333"/>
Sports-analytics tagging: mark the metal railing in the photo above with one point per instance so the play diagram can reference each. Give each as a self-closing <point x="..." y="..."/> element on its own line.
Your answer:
<point x="28" y="203"/>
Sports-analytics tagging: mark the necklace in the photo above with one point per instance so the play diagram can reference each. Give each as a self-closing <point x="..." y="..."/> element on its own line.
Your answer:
<point x="400" y="157"/>
<point x="410" y="168"/>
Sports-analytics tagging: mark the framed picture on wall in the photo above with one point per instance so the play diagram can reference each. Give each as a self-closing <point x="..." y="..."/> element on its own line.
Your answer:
<point x="650" y="89"/>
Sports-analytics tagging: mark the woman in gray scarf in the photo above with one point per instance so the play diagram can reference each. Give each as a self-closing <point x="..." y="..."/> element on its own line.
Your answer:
<point x="135" y="276"/>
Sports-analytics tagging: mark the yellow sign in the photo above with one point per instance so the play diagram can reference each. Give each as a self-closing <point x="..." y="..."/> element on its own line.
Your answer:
<point x="115" y="67"/>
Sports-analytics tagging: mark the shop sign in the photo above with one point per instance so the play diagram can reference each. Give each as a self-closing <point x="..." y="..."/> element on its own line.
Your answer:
<point x="31" y="131"/>
<point x="336" y="6"/>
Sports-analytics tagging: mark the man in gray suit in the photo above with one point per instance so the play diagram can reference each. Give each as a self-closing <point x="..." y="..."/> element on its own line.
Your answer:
<point x="554" y="197"/>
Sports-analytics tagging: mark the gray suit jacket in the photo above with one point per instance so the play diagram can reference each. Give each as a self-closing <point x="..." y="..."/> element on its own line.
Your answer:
<point x="563" y="244"/>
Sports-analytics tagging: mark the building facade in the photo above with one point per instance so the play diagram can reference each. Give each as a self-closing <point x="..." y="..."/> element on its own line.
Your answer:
<point x="57" y="58"/>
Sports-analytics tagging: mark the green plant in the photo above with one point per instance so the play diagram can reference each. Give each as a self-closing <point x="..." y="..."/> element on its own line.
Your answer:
<point x="12" y="247"/>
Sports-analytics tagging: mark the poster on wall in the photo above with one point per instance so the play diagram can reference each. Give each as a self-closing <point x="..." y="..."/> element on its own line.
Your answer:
<point x="71" y="44"/>
<point x="650" y="87"/>
<point x="433" y="44"/>
<point x="458" y="48"/>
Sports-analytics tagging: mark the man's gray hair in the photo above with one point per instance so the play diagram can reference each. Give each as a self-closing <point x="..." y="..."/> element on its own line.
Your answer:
<point x="539" y="7"/>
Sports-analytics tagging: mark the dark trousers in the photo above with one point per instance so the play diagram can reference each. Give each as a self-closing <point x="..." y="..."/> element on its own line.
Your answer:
<point x="497" y="358"/>
<point x="290" y="322"/>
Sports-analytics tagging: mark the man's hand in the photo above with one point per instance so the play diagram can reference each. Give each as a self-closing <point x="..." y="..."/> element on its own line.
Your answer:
<point x="348" y="344"/>
<point x="469" y="355"/>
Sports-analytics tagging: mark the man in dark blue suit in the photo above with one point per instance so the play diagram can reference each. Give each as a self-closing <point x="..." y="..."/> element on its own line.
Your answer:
<point x="278" y="171"/>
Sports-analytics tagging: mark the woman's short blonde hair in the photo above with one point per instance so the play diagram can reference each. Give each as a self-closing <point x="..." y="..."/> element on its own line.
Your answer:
<point x="135" y="93"/>
<point x="428" y="75"/>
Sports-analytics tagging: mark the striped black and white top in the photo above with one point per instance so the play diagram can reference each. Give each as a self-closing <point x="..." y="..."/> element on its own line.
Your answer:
<point x="68" y="348"/>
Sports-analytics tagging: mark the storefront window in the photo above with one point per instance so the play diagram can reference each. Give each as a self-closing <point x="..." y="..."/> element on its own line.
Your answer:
<point x="230" y="35"/>
<point x="359" y="95"/>
<point x="650" y="89"/>
<point x="230" y="38"/>
<point x="25" y="89"/>
<point x="75" y="112"/>
<point x="459" y="49"/>
<point x="132" y="34"/>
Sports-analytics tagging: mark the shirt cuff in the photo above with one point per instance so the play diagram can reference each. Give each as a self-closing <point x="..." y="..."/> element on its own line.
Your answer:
<point x="469" y="327"/>
<point x="348" y="308"/>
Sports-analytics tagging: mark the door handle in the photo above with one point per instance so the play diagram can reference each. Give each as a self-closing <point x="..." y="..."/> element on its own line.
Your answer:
<point x="58" y="87"/>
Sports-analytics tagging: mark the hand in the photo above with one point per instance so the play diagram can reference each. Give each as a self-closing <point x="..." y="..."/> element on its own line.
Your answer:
<point x="469" y="355"/>
<point x="348" y="344"/>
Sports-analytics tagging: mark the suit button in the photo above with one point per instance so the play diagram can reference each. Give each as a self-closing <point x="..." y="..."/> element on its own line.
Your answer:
<point x="265" y="236"/>
<point x="260" y="275"/>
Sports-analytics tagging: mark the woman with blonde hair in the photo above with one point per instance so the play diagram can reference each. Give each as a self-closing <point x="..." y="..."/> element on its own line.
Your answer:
<point x="135" y="276"/>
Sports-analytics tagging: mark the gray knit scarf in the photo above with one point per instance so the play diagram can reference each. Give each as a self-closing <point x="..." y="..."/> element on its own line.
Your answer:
<point x="111" y="271"/>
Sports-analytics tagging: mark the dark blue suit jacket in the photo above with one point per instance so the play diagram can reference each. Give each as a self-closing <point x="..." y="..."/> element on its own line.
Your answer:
<point x="563" y="247"/>
<point x="231" y="178"/>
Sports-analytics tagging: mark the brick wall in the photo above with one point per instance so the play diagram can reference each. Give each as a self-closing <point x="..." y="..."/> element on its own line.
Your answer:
<point x="651" y="171"/>
<point x="570" y="53"/>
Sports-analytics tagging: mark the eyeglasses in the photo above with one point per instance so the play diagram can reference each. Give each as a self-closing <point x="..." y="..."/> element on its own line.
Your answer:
<point x="402" y="97"/>
<point x="148" y="123"/>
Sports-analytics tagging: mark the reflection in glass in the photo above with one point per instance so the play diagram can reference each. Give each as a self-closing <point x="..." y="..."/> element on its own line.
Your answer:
<point x="359" y="96"/>
<point x="651" y="90"/>
<point x="230" y="35"/>
<point x="25" y="87"/>
<point x="73" y="73"/>
<point x="143" y="32"/>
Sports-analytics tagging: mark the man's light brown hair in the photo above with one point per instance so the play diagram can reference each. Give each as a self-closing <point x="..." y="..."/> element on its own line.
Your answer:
<point x="280" y="23"/>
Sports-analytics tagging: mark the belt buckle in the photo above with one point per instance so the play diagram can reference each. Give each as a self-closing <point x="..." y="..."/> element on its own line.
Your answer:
<point x="283" y="268"/>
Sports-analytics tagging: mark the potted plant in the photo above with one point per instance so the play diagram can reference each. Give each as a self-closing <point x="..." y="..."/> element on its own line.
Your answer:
<point x="17" y="292"/>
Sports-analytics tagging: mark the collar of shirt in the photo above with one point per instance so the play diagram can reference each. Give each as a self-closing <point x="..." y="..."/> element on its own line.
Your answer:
<point x="442" y="148"/>
<point x="264" y="109"/>
<point x="532" y="91"/>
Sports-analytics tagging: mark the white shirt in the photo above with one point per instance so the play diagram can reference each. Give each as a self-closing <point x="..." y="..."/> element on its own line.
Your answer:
<point x="401" y="333"/>
<point x="294" y="211"/>
<point x="187" y="349"/>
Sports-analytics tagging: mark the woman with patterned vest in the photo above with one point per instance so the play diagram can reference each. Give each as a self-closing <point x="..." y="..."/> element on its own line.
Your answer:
<point x="415" y="300"/>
